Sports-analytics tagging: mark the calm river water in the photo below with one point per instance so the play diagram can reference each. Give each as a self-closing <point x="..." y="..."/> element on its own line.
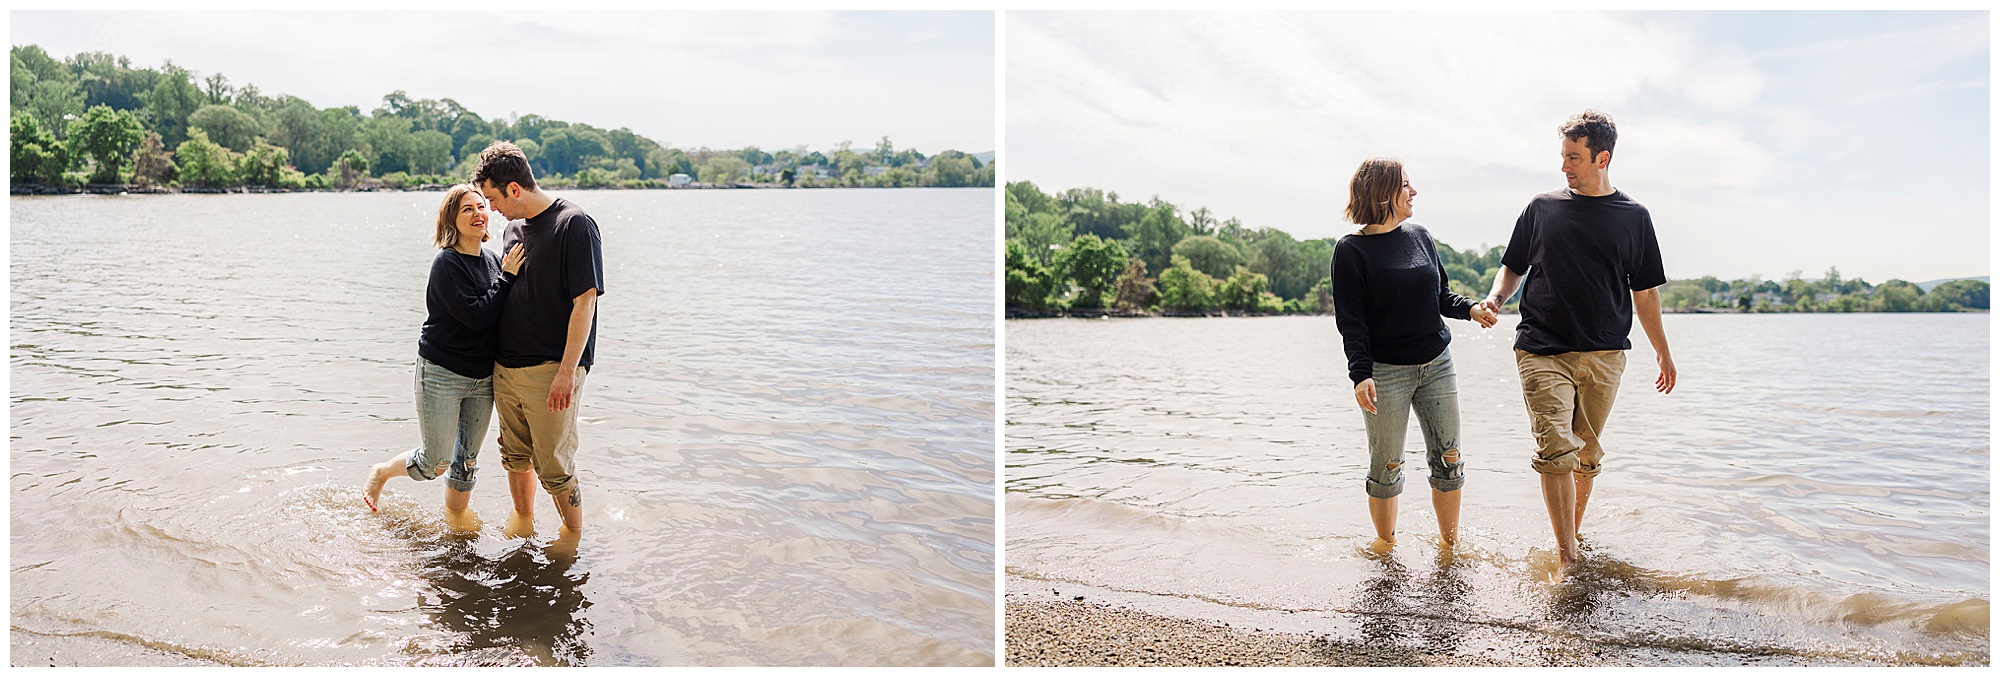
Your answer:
<point x="1816" y="490"/>
<point x="787" y="440"/>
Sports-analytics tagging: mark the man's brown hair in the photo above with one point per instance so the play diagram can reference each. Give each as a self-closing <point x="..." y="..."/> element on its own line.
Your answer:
<point x="1372" y="192"/>
<point x="1595" y="127"/>
<point x="502" y="163"/>
<point x="447" y="228"/>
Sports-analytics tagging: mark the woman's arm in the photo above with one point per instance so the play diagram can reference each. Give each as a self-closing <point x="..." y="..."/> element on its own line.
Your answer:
<point x="474" y="303"/>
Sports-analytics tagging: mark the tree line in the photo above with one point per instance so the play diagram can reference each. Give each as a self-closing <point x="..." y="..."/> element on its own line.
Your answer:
<point x="94" y="118"/>
<point x="1084" y="250"/>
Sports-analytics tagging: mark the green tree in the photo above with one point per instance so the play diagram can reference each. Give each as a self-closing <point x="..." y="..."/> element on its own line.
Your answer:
<point x="1030" y="285"/>
<point x="171" y="101"/>
<point x="152" y="164"/>
<point x="205" y="162"/>
<point x="1093" y="265"/>
<point x="1897" y="296"/>
<point x="430" y="152"/>
<point x="1042" y="234"/>
<point x="348" y="169"/>
<point x="1156" y="231"/>
<point x="262" y="165"/>
<point x="225" y="125"/>
<point x="1185" y="289"/>
<point x="1964" y="293"/>
<point x="949" y="170"/>
<point x="1210" y="255"/>
<point x="1243" y="290"/>
<point x="107" y="137"/>
<point x="36" y="156"/>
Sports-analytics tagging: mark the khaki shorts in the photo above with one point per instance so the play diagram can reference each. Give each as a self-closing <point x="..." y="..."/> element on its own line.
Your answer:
<point x="1569" y="396"/>
<point x="532" y="437"/>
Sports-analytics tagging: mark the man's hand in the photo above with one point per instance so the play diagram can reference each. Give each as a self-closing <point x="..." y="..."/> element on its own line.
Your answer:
<point x="1492" y="305"/>
<point x="1486" y="318"/>
<point x="1665" y="383"/>
<point x="562" y="389"/>
<point x="1364" y="393"/>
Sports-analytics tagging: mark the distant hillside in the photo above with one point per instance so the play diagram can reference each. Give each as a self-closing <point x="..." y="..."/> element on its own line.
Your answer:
<point x="1927" y="286"/>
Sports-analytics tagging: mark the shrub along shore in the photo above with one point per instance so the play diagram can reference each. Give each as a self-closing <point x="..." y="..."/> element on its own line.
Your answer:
<point x="1083" y="253"/>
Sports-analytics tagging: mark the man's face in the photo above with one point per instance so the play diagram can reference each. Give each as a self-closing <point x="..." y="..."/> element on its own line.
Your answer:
<point x="506" y="200"/>
<point x="1578" y="166"/>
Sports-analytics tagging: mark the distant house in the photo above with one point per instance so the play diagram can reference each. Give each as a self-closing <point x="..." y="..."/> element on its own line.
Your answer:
<point x="679" y="180"/>
<point x="874" y="170"/>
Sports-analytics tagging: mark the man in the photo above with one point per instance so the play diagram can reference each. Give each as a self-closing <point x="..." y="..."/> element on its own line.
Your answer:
<point x="548" y="335"/>
<point x="1589" y="257"/>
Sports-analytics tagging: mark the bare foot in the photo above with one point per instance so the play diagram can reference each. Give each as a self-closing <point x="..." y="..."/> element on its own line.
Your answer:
<point x="377" y="476"/>
<point x="1379" y="547"/>
<point x="565" y="543"/>
<point x="519" y="525"/>
<point x="462" y="521"/>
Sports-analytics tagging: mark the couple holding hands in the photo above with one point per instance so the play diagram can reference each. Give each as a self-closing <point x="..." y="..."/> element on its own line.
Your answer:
<point x="1584" y="259"/>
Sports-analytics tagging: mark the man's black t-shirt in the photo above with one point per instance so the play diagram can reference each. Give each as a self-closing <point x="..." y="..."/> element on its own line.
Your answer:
<point x="564" y="259"/>
<point x="463" y="300"/>
<point x="1390" y="294"/>
<point x="1583" y="257"/>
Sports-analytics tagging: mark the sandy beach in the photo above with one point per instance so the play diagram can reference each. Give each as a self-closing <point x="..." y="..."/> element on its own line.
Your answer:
<point x="1047" y="629"/>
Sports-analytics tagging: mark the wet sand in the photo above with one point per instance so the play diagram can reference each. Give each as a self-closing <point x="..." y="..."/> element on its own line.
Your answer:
<point x="1045" y="631"/>
<point x="31" y="650"/>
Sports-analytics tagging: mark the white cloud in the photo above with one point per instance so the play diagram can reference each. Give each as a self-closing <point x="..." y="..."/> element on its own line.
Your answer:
<point x="721" y="79"/>
<point x="1264" y="115"/>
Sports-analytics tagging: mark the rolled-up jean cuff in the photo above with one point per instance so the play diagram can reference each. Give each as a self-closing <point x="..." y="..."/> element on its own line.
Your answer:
<point x="1380" y="490"/>
<point x="458" y="484"/>
<point x="1453" y="484"/>
<point x="416" y="469"/>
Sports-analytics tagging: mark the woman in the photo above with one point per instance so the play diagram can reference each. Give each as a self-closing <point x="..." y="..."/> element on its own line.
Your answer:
<point x="455" y="352"/>
<point x="1390" y="294"/>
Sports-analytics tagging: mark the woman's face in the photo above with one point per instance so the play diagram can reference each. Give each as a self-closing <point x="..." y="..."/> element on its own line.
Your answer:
<point x="471" y="217"/>
<point x="1404" y="204"/>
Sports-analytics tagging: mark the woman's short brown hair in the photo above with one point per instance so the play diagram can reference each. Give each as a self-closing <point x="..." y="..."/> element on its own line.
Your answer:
<point x="1372" y="192"/>
<point x="447" y="229"/>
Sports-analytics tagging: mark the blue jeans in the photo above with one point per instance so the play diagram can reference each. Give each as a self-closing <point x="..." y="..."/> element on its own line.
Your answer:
<point x="1432" y="390"/>
<point x="453" y="412"/>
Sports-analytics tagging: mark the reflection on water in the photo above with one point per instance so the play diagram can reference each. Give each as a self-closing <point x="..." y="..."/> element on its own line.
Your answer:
<point x="526" y="602"/>
<point x="787" y="438"/>
<point x="1775" y="507"/>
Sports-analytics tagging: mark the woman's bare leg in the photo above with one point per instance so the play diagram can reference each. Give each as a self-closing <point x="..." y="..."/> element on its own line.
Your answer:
<point x="380" y="474"/>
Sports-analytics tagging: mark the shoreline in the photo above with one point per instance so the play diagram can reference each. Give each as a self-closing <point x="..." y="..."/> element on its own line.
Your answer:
<point x="1070" y="630"/>
<point x="33" y="650"/>
<point x="33" y="189"/>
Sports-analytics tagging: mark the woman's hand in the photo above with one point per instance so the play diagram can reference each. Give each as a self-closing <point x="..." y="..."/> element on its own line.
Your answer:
<point x="1364" y="394"/>
<point x="1485" y="318"/>
<point x="515" y="257"/>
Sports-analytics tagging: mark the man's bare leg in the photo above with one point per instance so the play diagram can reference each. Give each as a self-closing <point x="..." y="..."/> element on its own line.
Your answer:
<point x="1583" y="483"/>
<point x="521" y="486"/>
<point x="570" y="507"/>
<point x="1559" y="492"/>
<point x="380" y="474"/>
<point x="1382" y="511"/>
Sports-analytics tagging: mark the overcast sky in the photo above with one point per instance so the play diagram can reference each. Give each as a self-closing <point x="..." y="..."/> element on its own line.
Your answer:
<point x="1762" y="142"/>
<point x="717" y="79"/>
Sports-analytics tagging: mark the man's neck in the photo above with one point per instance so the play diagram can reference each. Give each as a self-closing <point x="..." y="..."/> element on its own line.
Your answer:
<point x="538" y="202"/>
<point x="1600" y="188"/>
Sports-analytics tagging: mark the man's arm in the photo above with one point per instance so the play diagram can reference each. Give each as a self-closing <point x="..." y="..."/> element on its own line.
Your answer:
<point x="563" y="388"/>
<point x="1647" y="305"/>
<point x="1504" y="285"/>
